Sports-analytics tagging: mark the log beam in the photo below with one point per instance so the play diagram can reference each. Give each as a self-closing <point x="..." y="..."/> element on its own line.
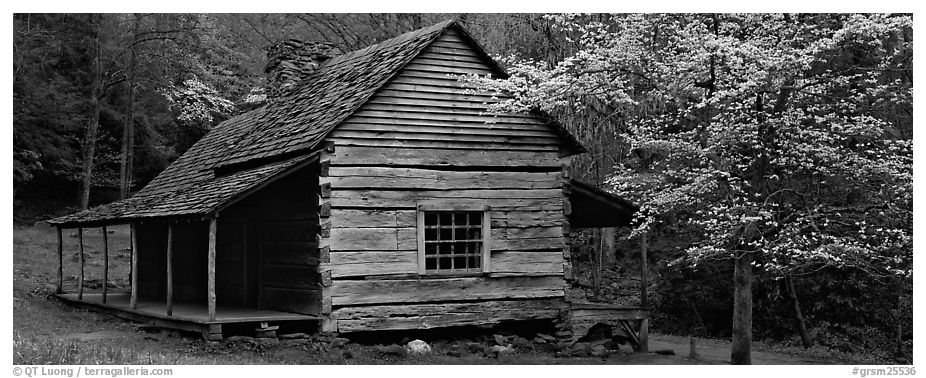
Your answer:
<point x="211" y="266"/>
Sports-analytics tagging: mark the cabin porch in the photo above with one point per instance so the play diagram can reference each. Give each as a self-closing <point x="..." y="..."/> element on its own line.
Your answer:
<point x="186" y="316"/>
<point x="249" y="265"/>
<point x="593" y="208"/>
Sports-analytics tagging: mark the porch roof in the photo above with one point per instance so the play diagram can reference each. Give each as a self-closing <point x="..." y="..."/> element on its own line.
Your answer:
<point x="195" y="201"/>
<point x="593" y="207"/>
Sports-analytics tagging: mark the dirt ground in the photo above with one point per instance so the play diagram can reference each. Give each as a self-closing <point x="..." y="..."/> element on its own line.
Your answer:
<point x="48" y="331"/>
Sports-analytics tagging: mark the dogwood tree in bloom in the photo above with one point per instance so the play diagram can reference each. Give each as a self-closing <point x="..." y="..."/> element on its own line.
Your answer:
<point x="786" y="140"/>
<point x="196" y="102"/>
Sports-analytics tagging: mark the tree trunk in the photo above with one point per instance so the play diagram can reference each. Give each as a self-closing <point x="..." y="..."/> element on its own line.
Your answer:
<point x="798" y="314"/>
<point x="741" y="353"/>
<point x="598" y="279"/>
<point x="89" y="143"/>
<point x="128" y="134"/>
<point x="898" y="349"/>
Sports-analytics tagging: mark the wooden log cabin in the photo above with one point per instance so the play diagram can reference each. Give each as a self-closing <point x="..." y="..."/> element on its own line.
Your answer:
<point x="371" y="192"/>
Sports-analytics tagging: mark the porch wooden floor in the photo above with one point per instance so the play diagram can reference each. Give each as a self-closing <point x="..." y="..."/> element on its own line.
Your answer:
<point x="193" y="313"/>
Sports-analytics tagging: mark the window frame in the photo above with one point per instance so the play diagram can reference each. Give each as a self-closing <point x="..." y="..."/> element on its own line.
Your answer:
<point x="486" y="237"/>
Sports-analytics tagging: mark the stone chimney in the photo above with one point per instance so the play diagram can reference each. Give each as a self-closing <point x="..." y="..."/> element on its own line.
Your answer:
<point x="290" y="61"/>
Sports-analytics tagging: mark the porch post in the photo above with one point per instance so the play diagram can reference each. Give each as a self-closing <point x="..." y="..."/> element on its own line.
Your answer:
<point x="644" y="335"/>
<point x="105" y="264"/>
<point x="60" y="288"/>
<point x="643" y="282"/>
<point x="211" y="273"/>
<point x="80" y="283"/>
<point x="170" y="269"/>
<point x="133" y="301"/>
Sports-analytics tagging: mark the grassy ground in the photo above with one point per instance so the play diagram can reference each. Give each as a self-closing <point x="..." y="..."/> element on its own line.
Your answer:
<point x="49" y="332"/>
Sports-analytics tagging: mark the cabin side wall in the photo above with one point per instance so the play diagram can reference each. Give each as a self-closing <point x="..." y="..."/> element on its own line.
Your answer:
<point x="423" y="139"/>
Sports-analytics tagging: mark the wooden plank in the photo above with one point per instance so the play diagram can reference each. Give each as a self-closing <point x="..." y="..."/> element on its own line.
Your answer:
<point x="185" y="316"/>
<point x="452" y="205"/>
<point x="429" y="103"/>
<point x="481" y="129"/>
<point x="439" y="61"/>
<point x="578" y="313"/>
<point x="170" y="269"/>
<point x="550" y="180"/>
<point x="451" y="35"/>
<point x="366" y="218"/>
<point x="373" y="263"/>
<point x="373" y="239"/>
<point x="386" y="177"/>
<point x="521" y="219"/>
<point x="80" y="279"/>
<point x="359" y="156"/>
<point x="426" y="89"/>
<point x="431" y="54"/>
<point x="447" y="69"/>
<point x="60" y="288"/>
<point x="432" y="75"/>
<point x="526" y="233"/>
<point x="446" y="137"/>
<point x="426" y="316"/>
<point x="536" y="244"/>
<point x="394" y="98"/>
<point x="508" y="199"/>
<point x="210" y="284"/>
<point x="428" y="78"/>
<point x="456" y="96"/>
<point x="451" y="45"/>
<point x="527" y="262"/>
<point x="455" y="51"/>
<point x="475" y="116"/>
<point x="460" y="145"/>
<point x="423" y="115"/>
<point x="352" y="292"/>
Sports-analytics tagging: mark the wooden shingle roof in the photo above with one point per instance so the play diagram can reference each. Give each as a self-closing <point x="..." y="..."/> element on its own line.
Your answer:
<point x="194" y="201"/>
<point x="244" y="151"/>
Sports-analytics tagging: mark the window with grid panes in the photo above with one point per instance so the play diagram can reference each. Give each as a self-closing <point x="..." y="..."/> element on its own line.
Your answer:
<point x="453" y="242"/>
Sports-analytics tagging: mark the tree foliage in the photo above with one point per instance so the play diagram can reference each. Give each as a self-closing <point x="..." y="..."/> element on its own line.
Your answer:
<point x="787" y="137"/>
